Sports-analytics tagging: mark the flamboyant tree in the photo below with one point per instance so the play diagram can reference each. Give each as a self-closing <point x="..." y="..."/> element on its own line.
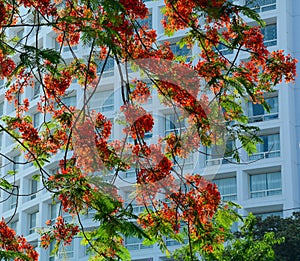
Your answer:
<point x="205" y="91"/>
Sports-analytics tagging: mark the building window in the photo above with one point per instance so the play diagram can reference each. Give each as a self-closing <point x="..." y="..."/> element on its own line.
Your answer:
<point x="130" y="200"/>
<point x="267" y="184"/>
<point x="270" y="34"/>
<point x="182" y="54"/>
<point x="261" y="5"/>
<point x="90" y="213"/>
<point x="2" y="83"/>
<point x="36" y="90"/>
<point x="220" y="154"/>
<point x="227" y="188"/>
<point x="224" y="50"/>
<point x="188" y="161"/>
<point x="54" y="210"/>
<point x="173" y="124"/>
<point x="1" y="108"/>
<point x="130" y="173"/>
<point x="9" y="107"/>
<point x="32" y="222"/>
<point x="257" y="112"/>
<point x="51" y="248"/>
<point x="13" y="199"/>
<point x="33" y="188"/>
<point x="270" y="148"/>
<point x="37" y="120"/>
<point x="103" y="101"/>
<point x="67" y="48"/>
<point x="16" y="162"/>
<point x="69" y="101"/>
<point x="20" y="34"/>
<point x="109" y="67"/>
<point x="67" y="251"/>
<point x="269" y="214"/>
<point x="147" y="22"/>
<point x="14" y="225"/>
<point x="56" y="45"/>
<point x="133" y="243"/>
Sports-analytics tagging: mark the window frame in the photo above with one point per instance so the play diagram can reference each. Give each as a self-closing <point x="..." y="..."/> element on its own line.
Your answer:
<point x="257" y="7"/>
<point x="227" y="196"/>
<point x="265" y="115"/>
<point x="32" y="225"/>
<point x="267" y="190"/>
<point x="267" y="152"/>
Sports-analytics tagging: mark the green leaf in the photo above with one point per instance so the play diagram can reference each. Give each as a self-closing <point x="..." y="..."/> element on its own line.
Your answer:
<point x="5" y="184"/>
<point x="252" y="15"/>
<point x="36" y="177"/>
<point x="11" y="172"/>
<point x="249" y="143"/>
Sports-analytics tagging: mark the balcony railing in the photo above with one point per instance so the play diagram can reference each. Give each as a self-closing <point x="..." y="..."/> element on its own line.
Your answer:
<point x="262" y="5"/>
<point x="137" y="209"/>
<point x="264" y="117"/>
<point x="219" y="161"/>
<point x="137" y="246"/>
<point x="172" y="242"/>
<point x="229" y="197"/>
<point x="265" y="193"/>
<point x="265" y="155"/>
<point x="176" y="131"/>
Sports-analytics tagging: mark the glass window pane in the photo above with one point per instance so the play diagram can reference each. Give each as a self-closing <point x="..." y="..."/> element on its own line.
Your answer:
<point x="261" y="5"/>
<point x="37" y="120"/>
<point x="270" y="147"/>
<point x="146" y="22"/>
<point x="227" y="188"/>
<point x="102" y="101"/>
<point x="32" y="222"/>
<point x="69" y="101"/>
<point x="53" y="211"/>
<point x="267" y="184"/>
<point x="108" y="69"/>
<point x="270" y="34"/>
<point x="258" y="182"/>
<point x="173" y="123"/>
<point x="273" y="104"/>
<point x="1" y="108"/>
<point x="274" y="183"/>
<point x="13" y="198"/>
<point x="34" y="186"/>
<point x="258" y="109"/>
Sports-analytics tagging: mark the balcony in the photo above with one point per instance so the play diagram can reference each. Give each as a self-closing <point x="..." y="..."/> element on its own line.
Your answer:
<point x="219" y="161"/>
<point x="264" y="117"/>
<point x="261" y="5"/>
<point x="265" y="155"/>
<point x="257" y="112"/>
<point x="108" y="70"/>
<point x="133" y="243"/>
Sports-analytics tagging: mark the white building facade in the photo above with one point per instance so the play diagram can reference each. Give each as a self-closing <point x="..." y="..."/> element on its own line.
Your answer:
<point x="264" y="183"/>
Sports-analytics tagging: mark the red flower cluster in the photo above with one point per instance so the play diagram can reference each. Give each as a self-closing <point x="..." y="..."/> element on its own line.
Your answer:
<point x="7" y="64"/>
<point x="9" y="241"/>
<point x="141" y="92"/>
<point x="56" y="86"/>
<point x="68" y="183"/>
<point x="139" y="120"/>
<point x="60" y="231"/>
